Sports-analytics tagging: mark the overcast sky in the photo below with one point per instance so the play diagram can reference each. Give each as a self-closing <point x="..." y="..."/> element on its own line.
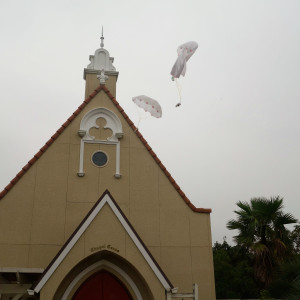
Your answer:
<point x="236" y="134"/>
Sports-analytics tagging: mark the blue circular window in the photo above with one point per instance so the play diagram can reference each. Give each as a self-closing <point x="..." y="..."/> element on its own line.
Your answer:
<point x="100" y="159"/>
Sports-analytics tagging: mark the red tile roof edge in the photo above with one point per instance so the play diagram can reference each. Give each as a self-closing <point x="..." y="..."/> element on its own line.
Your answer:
<point x="139" y="135"/>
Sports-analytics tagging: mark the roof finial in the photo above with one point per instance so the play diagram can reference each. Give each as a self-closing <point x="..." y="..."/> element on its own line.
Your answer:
<point x="102" y="38"/>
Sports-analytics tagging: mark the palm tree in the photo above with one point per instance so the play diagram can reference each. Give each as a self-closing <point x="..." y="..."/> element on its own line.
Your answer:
<point x="261" y="230"/>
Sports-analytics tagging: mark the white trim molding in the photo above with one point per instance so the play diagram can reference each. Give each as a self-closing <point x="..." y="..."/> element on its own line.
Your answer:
<point x="101" y="60"/>
<point x="106" y="198"/>
<point x="88" y="122"/>
<point x="21" y="270"/>
<point x="194" y="295"/>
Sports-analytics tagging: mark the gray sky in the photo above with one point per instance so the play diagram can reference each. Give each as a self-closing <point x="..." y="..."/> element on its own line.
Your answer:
<point x="240" y="96"/>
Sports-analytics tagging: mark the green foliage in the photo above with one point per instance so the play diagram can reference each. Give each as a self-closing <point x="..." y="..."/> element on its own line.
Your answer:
<point x="233" y="273"/>
<point x="234" y="276"/>
<point x="295" y="238"/>
<point x="261" y="230"/>
<point x="265" y="294"/>
<point x="265" y="262"/>
<point x="294" y="292"/>
<point x="286" y="282"/>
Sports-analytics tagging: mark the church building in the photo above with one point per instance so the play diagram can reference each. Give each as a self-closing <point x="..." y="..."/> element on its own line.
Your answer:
<point x="95" y="215"/>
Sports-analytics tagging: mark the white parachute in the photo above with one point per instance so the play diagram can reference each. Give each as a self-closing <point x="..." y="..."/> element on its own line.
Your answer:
<point x="148" y="105"/>
<point x="184" y="51"/>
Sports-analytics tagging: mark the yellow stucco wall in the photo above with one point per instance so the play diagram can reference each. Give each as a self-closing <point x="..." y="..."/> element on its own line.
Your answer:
<point x="46" y="205"/>
<point x="105" y="233"/>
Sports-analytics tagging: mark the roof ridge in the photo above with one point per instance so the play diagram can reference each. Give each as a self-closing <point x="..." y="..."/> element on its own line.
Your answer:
<point x="130" y="123"/>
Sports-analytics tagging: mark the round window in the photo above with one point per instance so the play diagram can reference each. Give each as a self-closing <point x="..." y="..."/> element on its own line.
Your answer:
<point x="99" y="158"/>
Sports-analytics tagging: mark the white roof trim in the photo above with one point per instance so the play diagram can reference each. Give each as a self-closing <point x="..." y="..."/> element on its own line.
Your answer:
<point x="105" y="199"/>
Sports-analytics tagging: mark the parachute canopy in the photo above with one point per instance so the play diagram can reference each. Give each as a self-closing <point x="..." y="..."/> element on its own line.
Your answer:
<point x="149" y="105"/>
<point x="184" y="51"/>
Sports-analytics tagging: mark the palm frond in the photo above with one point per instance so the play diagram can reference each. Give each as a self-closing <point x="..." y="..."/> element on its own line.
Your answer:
<point x="261" y="230"/>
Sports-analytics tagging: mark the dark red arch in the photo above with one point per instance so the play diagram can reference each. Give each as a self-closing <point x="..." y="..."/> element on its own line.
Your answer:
<point x="102" y="286"/>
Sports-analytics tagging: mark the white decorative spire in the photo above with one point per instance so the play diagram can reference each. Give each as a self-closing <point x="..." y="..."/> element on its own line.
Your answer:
<point x="102" y="38"/>
<point x="101" y="61"/>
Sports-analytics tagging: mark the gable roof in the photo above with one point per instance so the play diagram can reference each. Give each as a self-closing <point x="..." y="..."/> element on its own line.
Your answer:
<point x="103" y="88"/>
<point x="106" y="198"/>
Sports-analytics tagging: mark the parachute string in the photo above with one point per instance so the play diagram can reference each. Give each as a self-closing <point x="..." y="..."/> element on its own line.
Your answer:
<point x="179" y="88"/>
<point x="142" y="116"/>
<point x="184" y="51"/>
<point x="138" y="123"/>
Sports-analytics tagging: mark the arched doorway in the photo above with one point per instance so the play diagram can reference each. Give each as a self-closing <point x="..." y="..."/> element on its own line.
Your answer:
<point x="109" y="262"/>
<point x="102" y="286"/>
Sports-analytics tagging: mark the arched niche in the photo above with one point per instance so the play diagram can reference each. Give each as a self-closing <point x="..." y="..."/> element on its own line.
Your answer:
<point x="88" y="122"/>
<point x="110" y="262"/>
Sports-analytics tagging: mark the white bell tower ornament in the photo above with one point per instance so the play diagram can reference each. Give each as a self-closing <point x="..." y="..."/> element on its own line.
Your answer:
<point x="102" y="77"/>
